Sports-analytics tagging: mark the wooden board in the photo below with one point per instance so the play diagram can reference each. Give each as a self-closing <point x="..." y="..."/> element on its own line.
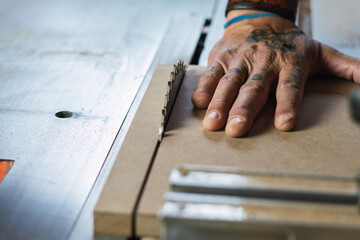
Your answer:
<point x="325" y="141"/>
<point x="113" y="212"/>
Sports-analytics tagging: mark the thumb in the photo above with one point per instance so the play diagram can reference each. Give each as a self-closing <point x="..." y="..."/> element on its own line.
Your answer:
<point x="337" y="64"/>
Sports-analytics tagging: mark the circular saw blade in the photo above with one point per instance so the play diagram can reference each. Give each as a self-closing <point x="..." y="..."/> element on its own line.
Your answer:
<point x="174" y="83"/>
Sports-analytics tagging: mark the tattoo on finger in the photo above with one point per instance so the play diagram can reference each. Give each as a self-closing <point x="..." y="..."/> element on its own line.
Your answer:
<point x="212" y="69"/>
<point x="257" y="77"/>
<point x="234" y="70"/>
<point x="293" y="77"/>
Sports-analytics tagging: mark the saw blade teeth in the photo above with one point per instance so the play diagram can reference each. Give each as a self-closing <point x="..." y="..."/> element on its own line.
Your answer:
<point x="166" y="100"/>
<point x="172" y="78"/>
<point x="175" y="69"/>
<point x="163" y="120"/>
<point x="180" y="64"/>
<point x="173" y="86"/>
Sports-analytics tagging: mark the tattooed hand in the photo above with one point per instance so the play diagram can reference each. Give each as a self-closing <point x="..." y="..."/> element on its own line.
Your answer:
<point x="256" y="56"/>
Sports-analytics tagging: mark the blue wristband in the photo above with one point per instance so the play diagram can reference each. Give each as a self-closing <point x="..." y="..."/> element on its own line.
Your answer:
<point x="243" y="17"/>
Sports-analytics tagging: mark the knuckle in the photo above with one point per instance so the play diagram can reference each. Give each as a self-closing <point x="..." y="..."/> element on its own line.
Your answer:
<point x="223" y="59"/>
<point x="217" y="104"/>
<point x="230" y="80"/>
<point x="265" y="56"/>
<point x="226" y="79"/>
<point x="230" y="51"/>
<point x="216" y="50"/>
<point x="253" y="88"/>
<point x="201" y="99"/>
<point x="249" y="54"/>
<point x="241" y="111"/>
<point x="223" y="52"/>
<point x="292" y="86"/>
<point x="208" y="75"/>
<point x="294" y="59"/>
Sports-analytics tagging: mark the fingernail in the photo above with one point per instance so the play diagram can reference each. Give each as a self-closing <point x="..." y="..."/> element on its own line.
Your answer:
<point x="285" y="118"/>
<point x="213" y="115"/>
<point x="236" y="120"/>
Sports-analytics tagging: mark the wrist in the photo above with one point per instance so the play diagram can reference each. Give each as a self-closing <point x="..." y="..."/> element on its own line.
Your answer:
<point x="235" y="13"/>
<point x="252" y="21"/>
<point x="285" y="8"/>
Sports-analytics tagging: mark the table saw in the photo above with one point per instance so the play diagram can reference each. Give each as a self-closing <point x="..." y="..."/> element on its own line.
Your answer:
<point x="307" y="177"/>
<point x="83" y="110"/>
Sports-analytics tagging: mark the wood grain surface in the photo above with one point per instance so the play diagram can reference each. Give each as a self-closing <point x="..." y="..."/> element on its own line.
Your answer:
<point x="325" y="141"/>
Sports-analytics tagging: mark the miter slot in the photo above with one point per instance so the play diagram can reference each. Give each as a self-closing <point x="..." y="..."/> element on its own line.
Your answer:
<point x="201" y="43"/>
<point x="264" y="185"/>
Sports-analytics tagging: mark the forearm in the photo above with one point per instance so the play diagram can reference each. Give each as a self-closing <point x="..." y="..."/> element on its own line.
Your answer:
<point x="284" y="8"/>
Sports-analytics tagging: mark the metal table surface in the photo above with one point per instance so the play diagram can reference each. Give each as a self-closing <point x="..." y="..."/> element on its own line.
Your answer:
<point x="89" y="58"/>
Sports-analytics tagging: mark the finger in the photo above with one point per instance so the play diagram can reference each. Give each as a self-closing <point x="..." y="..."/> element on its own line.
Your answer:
<point x="338" y="64"/>
<point x="251" y="99"/>
<point x="206" y="86"/>
<point x="224" y="96"/>
<point x="289" y="95"/>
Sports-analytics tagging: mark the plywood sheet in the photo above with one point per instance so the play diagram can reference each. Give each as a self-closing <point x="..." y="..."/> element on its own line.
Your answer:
<point x="325" y="141"/>
<point x="113" y="211"/>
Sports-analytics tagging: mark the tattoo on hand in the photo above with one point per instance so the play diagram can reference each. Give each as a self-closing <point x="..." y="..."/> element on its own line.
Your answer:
<point x="293" y="77"/>
<point x="234" y="70"/>
<point x="212" y="69"/>
<point x="257" y="77"/>
<point x="275" y="40"/>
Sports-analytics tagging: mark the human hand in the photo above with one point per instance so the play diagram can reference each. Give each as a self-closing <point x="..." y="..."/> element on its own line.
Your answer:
<point x="256" y="56"/>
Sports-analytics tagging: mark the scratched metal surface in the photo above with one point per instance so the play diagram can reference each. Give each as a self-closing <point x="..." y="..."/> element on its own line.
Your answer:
<point x="216" y="31"/>
<point x="184" y="31"/>
<point x="88" y="57"/>
<point x="338" y="26"/>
